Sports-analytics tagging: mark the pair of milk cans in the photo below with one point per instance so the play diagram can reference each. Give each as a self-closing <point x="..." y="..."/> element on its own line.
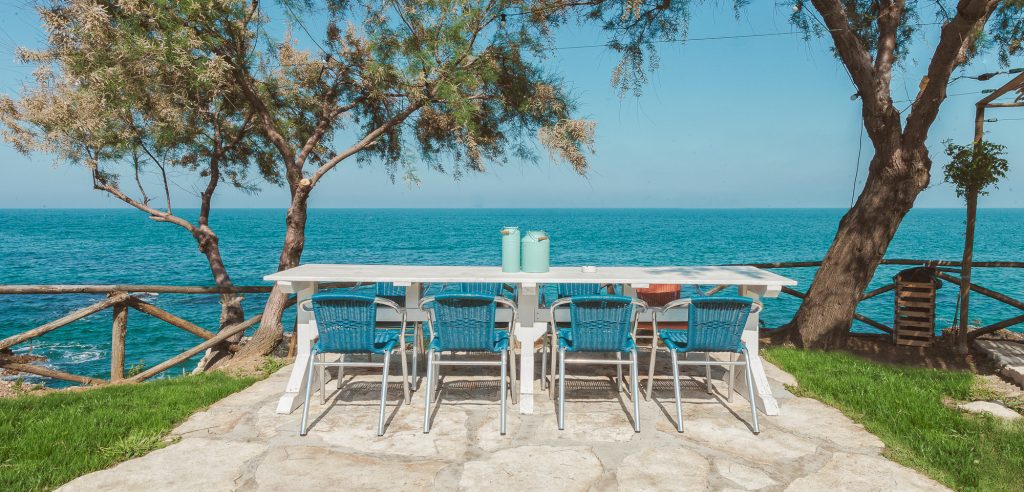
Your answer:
<point x="531" y="253"/>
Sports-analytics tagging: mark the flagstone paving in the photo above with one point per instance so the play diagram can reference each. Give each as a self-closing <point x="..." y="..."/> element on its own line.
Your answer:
<point x="241" y="444"/>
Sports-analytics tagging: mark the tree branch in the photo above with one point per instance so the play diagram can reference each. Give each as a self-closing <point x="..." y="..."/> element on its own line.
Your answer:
<point x="364" y="142"/>
<point x="100" y="184"/>
<point x="956" y="36"/>
<point x="888" y="25"/>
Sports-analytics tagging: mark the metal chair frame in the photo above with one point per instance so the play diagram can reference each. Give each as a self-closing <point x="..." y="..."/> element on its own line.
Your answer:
<point x="341" y="364"/>
<point x="434" y="363"/>
<point x="707" y="363"/>
<point x="560" y="358"/>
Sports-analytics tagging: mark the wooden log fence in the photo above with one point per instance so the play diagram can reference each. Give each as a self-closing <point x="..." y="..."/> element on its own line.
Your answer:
<point x="943" y="270"/>
<point x="119" y="299"/>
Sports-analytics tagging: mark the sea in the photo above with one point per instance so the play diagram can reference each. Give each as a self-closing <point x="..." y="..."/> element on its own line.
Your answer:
<point x="123" y="246"/>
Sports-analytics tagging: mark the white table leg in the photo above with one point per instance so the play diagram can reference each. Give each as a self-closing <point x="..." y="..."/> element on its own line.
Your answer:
<point x="306" y="333"/>
<point x="751" y="336"/>
<point x="528" y="336"/>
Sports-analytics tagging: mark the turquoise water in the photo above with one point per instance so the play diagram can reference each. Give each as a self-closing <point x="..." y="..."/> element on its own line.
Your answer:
<point x="122" y="246"/>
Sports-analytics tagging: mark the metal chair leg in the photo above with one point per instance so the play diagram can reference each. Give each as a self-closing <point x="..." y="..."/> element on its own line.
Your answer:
<point x="429" y="392"/>
<point x="323" y="383"/>
<point x="383" y="392"/>
<point x="513" y="378"/>
<point x="750" y="390"/>
<point x="341" y="373"/>
<point x="650" y="372"/>
<point x="707" y="371"/>
<point x="554" y="355"/>
<point x="619" y="383"/>
<point x="405" y="376"/>
<point x="309" y="391"/>
<point x="545" y="383"/>
<point x="561" y="389"/>
<point x="675" y="386"/>
<point x="635" y="383"/>
<point x="504" y="374"/>
<point x="732" y="375"/>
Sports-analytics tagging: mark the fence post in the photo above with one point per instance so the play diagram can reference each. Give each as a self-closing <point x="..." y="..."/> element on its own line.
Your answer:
<point x="120" y="328"/>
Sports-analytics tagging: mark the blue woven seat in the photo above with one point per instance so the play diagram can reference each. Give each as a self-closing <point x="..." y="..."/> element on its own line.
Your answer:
<point x="500" y="343"/>
<point x="565" y="340"/>
<point x="466" y="322"/>
<point x="346" y="323"/>
<point x="714" y="324"/>
<point x="597" y="323"/>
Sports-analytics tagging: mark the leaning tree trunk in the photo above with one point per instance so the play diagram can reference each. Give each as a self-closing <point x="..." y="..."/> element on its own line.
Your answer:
<point x="270" y="331"/>
<point x="231" y="303"/>
<point x="825" y="317"/>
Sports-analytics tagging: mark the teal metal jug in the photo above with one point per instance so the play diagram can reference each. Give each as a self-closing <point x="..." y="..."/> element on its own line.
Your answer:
<point x="510" y="249"/>
<point x="536" y="252"/>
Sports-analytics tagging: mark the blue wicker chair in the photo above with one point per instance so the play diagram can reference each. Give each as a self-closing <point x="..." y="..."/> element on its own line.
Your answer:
<point x="601" y="323"/>
<point x="347" y="324"/>
<point x="483" y="288"/>
<point x="466" y="323"/>
<point x="714" y="324"/>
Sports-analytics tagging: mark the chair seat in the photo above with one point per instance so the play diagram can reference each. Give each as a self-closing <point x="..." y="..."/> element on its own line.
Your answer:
<point x="565" y="341"/>
<point x="500" y="343"/>
<point x="677" y="341"/>
<point x="384" y="341"/>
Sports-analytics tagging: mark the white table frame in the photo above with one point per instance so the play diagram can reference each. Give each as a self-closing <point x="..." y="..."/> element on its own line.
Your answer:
<point x="304" y="281"/>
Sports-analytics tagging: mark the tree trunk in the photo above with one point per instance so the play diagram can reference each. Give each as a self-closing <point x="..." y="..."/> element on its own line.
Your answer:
<point x="231" y="304"/>
<point x="826" y="314"/>
<point x="270" y="331"/>
<point x="965" y="268"/>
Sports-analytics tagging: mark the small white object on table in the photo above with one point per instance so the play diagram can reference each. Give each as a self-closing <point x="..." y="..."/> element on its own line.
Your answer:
<point x="304" y="281"/>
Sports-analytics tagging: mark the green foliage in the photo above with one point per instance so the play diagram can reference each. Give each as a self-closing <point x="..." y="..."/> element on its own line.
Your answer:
<point x="974" y="168"/>
<point x="637" y="27"/>
<point x="906" y="408"/>
<point x="48" y="440"/>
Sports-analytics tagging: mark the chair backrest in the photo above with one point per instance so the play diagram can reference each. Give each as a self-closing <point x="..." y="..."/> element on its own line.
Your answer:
<point x="484" y="288"/>
<point x="464" y="321"/>
<point x="716" y="324"/>
<point x="388" y="290"/>
<point x="346" y="322"/>
<point x="600" y="323"/>
<point x="569" y="290"/>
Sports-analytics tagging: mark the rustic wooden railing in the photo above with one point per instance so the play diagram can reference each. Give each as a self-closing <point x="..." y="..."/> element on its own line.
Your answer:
<point x="944" y="270"/>
<point x="120" y="298"/>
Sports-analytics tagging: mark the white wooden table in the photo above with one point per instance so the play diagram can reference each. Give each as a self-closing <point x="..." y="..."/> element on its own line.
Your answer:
<point x="305" y="279"/>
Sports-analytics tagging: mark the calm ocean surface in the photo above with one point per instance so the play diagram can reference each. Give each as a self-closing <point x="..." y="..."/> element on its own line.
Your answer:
<point x="122" y="246"/>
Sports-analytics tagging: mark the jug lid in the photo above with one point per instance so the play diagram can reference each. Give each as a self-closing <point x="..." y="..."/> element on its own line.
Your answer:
<point x="535" y="236"/>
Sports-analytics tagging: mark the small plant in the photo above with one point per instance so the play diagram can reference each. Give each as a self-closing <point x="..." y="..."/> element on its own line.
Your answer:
<point x="271" y="365"/>
<point x="136" y="369"/>
<point x="974" y="168"/>
<point x="133" y="445"/>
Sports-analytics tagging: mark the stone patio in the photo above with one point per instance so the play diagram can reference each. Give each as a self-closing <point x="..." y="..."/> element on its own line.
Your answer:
<point x="241" y="444"/>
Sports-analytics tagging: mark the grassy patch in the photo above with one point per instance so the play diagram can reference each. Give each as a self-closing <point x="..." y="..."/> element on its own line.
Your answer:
<point x="48" y="440"/>
<point x="904" y="407"/>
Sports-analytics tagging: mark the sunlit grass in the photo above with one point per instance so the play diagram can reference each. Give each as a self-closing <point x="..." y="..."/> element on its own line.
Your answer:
<point x="904" y="406"/>
<point x="51" y="439"/>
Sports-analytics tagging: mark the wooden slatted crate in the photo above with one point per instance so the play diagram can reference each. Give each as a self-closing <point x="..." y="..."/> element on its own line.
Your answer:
<point x="914" y="323"/>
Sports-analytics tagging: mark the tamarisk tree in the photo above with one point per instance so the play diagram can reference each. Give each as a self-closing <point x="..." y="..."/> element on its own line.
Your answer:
<point x="121" y="88"/>
<point x="870" y="38"/>
<point x="453" y="84"/>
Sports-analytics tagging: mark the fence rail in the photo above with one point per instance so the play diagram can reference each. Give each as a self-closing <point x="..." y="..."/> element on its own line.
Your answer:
<point x="943" y="271"/>
<point x="121" y="298"/>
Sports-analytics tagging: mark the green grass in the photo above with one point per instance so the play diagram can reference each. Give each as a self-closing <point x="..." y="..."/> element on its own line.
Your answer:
<point x="50" y="439"/>
<point x="904" y="407"/>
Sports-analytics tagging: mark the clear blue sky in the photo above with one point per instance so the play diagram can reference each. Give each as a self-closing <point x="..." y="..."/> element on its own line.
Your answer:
<point x="757" y="122"/>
